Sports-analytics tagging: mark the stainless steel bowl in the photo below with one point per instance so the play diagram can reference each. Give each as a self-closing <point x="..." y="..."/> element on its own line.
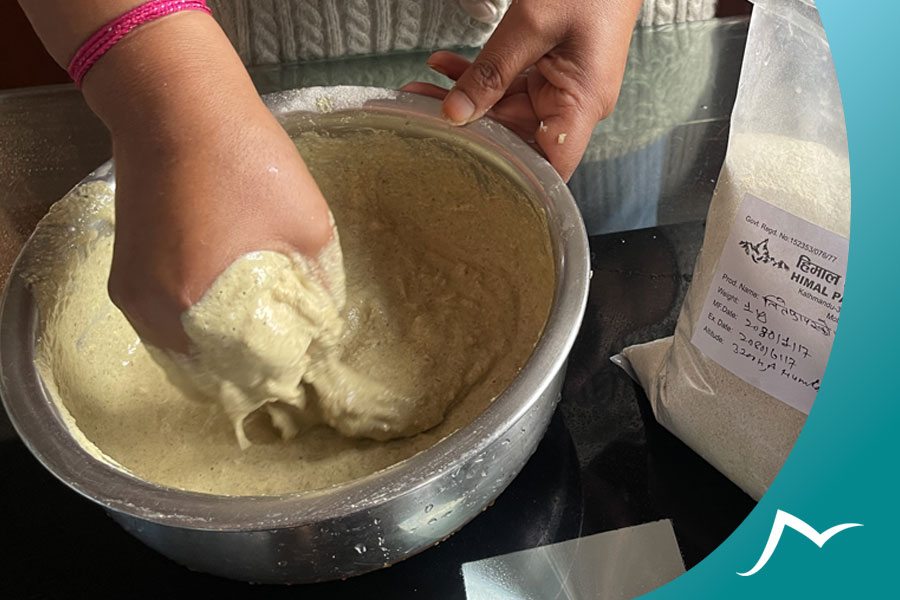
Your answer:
<point x="367" y="523"/>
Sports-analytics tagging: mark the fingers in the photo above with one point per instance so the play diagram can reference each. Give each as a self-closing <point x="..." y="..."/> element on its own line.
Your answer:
<point x="448" y="63"/>
<point x="561" y="133"/>
<point x="565" y="125"/>
<point x="514" y="46"/>
<point x="515" y="112"/>
<point x="425" y="89"/>
<point x="155" y="317"/>
<point x="453" y="66"/>
<point x="563" y="140"/>
<point x="576" y="52"/>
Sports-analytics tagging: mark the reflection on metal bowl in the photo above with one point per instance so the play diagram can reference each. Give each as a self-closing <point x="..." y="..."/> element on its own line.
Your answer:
<point x="367" y="523"/>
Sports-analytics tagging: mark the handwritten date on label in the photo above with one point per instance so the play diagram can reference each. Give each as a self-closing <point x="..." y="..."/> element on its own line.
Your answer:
<point x="772" y="310"/>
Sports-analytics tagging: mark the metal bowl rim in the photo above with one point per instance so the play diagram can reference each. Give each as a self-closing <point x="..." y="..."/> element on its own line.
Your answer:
<point x="114" y="489"/>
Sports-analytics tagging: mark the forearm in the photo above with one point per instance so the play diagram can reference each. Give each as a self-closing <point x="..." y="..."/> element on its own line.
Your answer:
<point x="204" y="172"/>
<point x="170" y="77"/>
<point x="63" y="25"/>
<point x="170" y="73"/>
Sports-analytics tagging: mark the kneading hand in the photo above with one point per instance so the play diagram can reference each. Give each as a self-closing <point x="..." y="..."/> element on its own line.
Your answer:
<point x="204" y="172"/>
<point x="185" y="213"/>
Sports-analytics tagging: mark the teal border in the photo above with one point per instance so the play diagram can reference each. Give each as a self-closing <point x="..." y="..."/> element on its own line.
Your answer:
<point x="844" y="466"/>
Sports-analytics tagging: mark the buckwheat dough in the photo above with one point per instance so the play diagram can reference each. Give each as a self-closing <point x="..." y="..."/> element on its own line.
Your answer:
<point x="449" y="279"/>
<point x="266" y="336"/>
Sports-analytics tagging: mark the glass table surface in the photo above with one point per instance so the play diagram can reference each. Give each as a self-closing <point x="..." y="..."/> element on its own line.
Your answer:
<point x="644" y="187"/>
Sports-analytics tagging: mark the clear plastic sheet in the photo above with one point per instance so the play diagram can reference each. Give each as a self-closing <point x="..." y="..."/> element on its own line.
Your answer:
<point x="615" y="565"/>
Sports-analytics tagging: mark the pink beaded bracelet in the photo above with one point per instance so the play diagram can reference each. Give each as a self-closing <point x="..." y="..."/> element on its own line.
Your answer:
<point x="107" y="36"/>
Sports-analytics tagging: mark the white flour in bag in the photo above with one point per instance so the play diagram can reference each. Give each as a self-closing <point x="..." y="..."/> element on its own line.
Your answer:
<point x="742" y="431"/>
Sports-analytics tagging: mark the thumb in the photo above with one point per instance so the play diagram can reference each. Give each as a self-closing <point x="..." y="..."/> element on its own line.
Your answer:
<point x="514" y="46"/>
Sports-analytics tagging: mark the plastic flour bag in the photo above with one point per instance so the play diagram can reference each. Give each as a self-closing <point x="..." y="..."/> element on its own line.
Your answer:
<point x="740" y="375"/>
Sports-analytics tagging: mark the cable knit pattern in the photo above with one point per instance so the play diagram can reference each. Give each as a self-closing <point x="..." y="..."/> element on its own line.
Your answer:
<point x="383" y="25"/>
<point x="273" y="31"/>
<point x="310" y="25"/>
<point x="284" y="20"/>
<point x="432" y="19"/>
<point x="334" y="35"/>
<point x="409" y="14"/>
<point x="264" y="44"/>
<point x="358" y="27"/>
<point x="454" y="30"/>
<point x="233" y="17"/>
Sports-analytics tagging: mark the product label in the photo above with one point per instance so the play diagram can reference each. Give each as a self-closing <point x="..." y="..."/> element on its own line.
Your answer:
<point x="772" y="309"/>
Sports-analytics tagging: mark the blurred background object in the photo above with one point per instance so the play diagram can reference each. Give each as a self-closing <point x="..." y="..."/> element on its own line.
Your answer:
<point x="24" y="62"/>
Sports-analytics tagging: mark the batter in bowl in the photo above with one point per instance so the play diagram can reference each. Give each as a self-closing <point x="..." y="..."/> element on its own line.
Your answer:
<point x="267" y="337"/>
<point x="449" y="279"/>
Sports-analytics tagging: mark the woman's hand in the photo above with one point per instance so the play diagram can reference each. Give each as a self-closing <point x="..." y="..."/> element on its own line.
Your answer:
<point x="185" y="212"/>
<point x="549" y="72"/>
<point x="204" y="173"/>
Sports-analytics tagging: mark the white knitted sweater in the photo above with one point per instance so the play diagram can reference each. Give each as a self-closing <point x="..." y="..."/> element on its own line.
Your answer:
<point x="273" y="31"/>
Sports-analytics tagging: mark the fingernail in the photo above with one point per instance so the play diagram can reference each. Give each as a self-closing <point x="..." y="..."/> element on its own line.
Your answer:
<point x="481" y="10"/>
<point x="457" y="108"/>
<point x="439" y="68"/>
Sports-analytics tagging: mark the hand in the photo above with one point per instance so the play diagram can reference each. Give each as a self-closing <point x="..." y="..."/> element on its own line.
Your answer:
<point x="204" y="173"/>
<point x="184" y="214"/>
<point x="549" y="72"/>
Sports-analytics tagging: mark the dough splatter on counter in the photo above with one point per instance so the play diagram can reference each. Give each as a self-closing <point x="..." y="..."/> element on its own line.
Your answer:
<point x="448" y="282"/>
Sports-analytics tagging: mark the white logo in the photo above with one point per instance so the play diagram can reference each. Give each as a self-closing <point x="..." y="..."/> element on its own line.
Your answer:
<point x="782" y="520"/>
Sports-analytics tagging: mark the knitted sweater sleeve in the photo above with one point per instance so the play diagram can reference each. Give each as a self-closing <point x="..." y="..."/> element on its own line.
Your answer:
<point x="273" y="31"/>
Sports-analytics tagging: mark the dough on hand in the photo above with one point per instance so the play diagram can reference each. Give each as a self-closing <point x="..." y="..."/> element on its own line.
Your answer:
<point x="266" y="336"/>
